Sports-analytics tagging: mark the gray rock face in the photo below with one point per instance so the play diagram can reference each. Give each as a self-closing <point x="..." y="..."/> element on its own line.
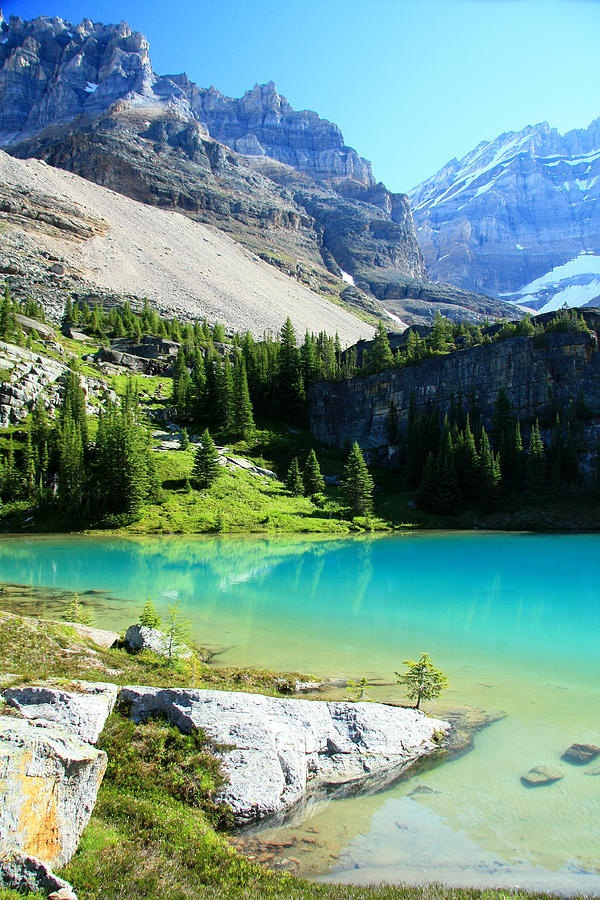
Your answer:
<point x="83" y="712"/>
<point x="49" y="780"/>
<point x="532" y="376"/>
<point x="262" y="123"/>
<point x="513" y="209"/>
<point x="33" y="376"/>
<point x="51" y="72"/>
<point x="284" y="749"/>
<point x="27" y="874"/>
<point x="140" y="637"/>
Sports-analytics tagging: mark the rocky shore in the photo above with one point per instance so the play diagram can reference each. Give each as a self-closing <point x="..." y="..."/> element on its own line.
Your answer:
<point x="276" y="753"/>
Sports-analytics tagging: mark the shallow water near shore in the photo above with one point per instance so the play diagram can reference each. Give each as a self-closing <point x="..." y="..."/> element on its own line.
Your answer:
<point x="514" y="621"/>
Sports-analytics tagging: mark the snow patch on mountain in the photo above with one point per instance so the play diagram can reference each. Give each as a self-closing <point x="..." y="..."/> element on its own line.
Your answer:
<point x="574" y="283"/>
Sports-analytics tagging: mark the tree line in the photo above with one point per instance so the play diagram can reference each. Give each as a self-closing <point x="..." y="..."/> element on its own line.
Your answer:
<point x="454" y="463"/>
<point x="445" y="337"/>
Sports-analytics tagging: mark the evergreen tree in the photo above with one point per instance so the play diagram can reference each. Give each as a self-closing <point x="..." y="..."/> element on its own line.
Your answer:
<point x="243" y="420"/>
<point x="206" y="463"/>
<point x="293" y="479"/>
<point x="448" y="494"/>
<point x="123" y="470"/>
<point x="28" y="468"/>
<point x="10" y="475"/>
<point x="67" y="316"/>
<point x="182" y="388"/>
<point x="71" y="471"/>
<point x="489" y="474"/>
<point x="392" y="424"/>
<point x="358" y="484"/>
<point x="430" y="480"/>
<point x="536" y="461"/>
<point x="380" y="356"/>
<point x="311" y="476"/>
<point x="8" y="316"/>
<point x="441" y="338"/>
<point x="224" y="393"/>
<point x="218" y="333"/>
<point x="291" y="394"/>
<point x="312" y="368"/>
<point x="73" y="405"/>
<point x="199" y="388"/>
<point x="423" y="680"/>
<point x="467" y="463"/>
<point x="507" y="441"/>
<point x="149" y="618"/>
<point x="413" y="351"/>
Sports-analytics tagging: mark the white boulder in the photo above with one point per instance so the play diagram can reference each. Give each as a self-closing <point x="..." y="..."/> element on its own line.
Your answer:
<point x="284" y="749"/>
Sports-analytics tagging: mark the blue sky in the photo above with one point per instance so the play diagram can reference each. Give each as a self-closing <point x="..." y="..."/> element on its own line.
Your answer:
<point x="411" y="83"/>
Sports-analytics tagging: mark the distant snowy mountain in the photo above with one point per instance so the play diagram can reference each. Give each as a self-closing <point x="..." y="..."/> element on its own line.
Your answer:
<point x="518" y="218"/>
<point x="575" y="283"/>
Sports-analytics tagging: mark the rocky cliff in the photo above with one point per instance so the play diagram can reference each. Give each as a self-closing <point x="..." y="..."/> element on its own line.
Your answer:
<point x="536" y="375"/>
<point x="281" y="181"/>
<point x="518" y="217"/>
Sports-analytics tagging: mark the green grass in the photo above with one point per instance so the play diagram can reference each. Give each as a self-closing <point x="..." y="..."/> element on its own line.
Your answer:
<point x="37" y="650"/>
<point x="238" y="501"/>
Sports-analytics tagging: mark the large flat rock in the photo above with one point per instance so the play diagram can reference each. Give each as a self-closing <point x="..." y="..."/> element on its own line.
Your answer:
<point x="283" y="749"/>
<point x="49" y="780"/>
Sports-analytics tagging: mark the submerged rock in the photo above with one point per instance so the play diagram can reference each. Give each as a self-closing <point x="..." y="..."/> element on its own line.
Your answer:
<point x="49" y="780"/>
<point x="27" y="874"/>
<point x="283" y="749"/>
<point x="540" y="775"/>
<point x="84" y="711"/>
<point x="580" y="754"/>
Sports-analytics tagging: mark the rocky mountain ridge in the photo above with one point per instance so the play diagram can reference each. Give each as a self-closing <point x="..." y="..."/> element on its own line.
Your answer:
<point x="85" y="98"/>
<point x="506" y="216"/>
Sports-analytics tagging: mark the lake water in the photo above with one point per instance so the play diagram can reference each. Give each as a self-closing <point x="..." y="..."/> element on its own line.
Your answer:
<point x="513" y="620"/>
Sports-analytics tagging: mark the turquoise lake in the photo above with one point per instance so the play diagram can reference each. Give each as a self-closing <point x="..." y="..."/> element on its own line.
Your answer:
<point x="513" y="620"/>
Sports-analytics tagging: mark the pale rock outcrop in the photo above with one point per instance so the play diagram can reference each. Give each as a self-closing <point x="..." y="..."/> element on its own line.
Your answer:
<point x="140" y="637"/>
<point x="27" y="874"/>
<point x="49" y="780"/>
<point x="280" y="750"/>
<point x="83" y="711"/>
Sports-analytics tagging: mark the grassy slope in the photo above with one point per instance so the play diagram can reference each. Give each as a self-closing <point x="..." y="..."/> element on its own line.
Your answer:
<point x="153" y="828"/>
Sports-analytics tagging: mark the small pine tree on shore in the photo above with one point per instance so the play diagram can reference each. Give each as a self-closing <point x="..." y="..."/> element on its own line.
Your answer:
<point x="358" y="484"/>
<point x="422" y="679"/>
<point x="177" y="631"/>
<point x="149" y="618"/>
<point x="293" y="479"/>
<point x="206" y="463"/>
<point x="314" y="482"/>
<point x="75" y="612"/>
